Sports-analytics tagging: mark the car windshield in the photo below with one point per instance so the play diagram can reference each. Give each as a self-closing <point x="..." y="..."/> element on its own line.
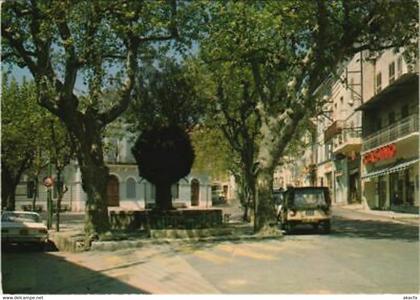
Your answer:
<point x="309" y="197"/>
<point x="20" y="217"/>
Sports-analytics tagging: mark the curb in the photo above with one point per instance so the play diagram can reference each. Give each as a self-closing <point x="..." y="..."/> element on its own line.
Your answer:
<point x="68" y="242"/>
<point x="411" y="219"/>
<point x="120" y="245"/>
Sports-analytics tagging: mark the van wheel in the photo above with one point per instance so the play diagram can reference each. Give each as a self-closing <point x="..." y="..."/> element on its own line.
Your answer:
<point x="288" y="227"/>
<point x="326" y="227"/>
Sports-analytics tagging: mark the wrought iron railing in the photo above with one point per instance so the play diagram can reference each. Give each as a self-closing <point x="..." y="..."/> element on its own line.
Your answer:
<point x="347" y="135"/>
<point x="391" y="133"/>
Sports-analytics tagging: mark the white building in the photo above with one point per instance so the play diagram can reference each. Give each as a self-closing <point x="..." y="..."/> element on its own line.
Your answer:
<point x="126" y="190"/>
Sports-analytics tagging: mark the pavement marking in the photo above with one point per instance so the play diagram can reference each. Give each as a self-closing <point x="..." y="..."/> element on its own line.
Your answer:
<point x="114" y="260"/>
<point x="214" y="258"/>
<point x="241" y="250"/>
<point x="266" y="247"/>
<point x="236" y="282"/>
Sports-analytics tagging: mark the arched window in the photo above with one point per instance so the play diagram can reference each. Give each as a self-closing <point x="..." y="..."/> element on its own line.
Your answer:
<point x="131" y="188"/>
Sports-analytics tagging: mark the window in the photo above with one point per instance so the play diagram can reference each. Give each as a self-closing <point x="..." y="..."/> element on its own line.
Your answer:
<point x="399" y="66"/>
<point x="328" y="150"/>
<point x="391" y="70"/>
<point x="391" y="117"/>
<point x="404" y="111"/>
<point x="131" y="188"/>
<point x="378" y="83"/>
<point x="30" y="189"/>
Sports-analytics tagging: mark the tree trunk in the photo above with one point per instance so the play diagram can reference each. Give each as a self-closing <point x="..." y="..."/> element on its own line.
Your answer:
<point x="86" y="135"/>
<point x="163" y="196"/>
<point x="265" y="218"/>
<point x="10" y="181"/>
<point x="35" y="191"/>
<point x="11" y="201"/>
<point x="94" y="183"/>
<point x="275" y="137"/>
<point x="6" y="186"/>
<point x="61" y="191"/>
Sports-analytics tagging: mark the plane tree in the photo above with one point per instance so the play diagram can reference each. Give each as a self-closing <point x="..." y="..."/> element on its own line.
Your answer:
<point x="98" y="45"/>
<point x="290" y="47"/>
<point x="23" y="133"/>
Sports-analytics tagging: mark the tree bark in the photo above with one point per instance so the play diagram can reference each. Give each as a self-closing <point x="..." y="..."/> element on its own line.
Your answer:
<point x="86" y="134"/>
<point x="265" y="217"/>
<point x="11" y="181"/>
<point x="276" y="134"/>
<point x="35" y="191"/>
<point x="11" y="202"/>
<point x="6" y="186"/>
<point x="163" y="196"/>
<point x="94" y="183"/>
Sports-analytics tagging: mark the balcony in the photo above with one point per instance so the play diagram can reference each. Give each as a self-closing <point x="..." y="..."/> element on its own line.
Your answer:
<point x="347" y="141"/>
<point x="401" y="129"/>
<point x="333" y="129"/>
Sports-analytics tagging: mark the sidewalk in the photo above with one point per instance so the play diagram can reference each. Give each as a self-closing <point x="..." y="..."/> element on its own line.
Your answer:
<point x="360" y="211"/>
<point x="71" y="237"/>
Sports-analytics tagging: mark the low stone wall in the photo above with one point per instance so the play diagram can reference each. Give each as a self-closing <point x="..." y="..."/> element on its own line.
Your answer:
<point x="173" y="219"/>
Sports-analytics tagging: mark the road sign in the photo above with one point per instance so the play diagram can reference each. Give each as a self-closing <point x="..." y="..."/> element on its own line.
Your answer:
<point x="48" y="181"/>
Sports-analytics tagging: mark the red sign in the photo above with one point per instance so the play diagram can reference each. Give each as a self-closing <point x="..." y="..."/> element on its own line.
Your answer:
<point x="382" y="153"/>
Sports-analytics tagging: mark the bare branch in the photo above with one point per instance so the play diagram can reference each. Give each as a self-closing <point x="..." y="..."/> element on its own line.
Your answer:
<point x="125" y="94"/>
<point x="71" y="65"/>
<point x="17" y="44"/>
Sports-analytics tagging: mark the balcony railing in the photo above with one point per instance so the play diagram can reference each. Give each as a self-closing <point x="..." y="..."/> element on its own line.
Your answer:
<point x="348" y="136"/>
<point x="391" y="133"/>
<point x="333" y="129"/>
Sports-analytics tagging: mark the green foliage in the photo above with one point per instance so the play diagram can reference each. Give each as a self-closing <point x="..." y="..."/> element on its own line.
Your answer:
<point x="31" y="136"/>
<point x="284" y="50"/>
<point x="212" y="153"/>
<point x="25" y="125"/>
<point x="168" y="93"/>
<point x="164" y="154"/>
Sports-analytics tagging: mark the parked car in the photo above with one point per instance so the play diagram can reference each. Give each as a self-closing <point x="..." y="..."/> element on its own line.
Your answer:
<point x="306" y="205"/>
<point x="217" y="195"/>
<point x="23" y="227"/>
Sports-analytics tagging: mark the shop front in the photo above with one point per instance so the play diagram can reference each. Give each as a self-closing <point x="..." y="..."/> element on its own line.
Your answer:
<point x="391" y="177"/>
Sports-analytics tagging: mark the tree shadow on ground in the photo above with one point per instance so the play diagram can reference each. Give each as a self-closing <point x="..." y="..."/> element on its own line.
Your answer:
<point x="374" y="230"/>
<point x="26" y="270"/>
<point x="341" y="228"/>
<point x="369" y="229"/>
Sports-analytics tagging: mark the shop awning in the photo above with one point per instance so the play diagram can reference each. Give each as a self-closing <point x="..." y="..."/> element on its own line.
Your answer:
<point x="392" y="169"/>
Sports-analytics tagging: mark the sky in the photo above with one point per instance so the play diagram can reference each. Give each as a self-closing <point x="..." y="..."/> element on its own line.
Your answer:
<point x="80" y="88"/>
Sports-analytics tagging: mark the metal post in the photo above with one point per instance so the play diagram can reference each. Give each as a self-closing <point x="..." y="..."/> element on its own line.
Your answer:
<point x="49" y="199"/>
<point x="58" y="205"/>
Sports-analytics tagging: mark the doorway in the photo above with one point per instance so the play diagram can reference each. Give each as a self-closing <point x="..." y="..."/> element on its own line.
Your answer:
<point x="195" y="192"/>
<point x="113" y="191"/>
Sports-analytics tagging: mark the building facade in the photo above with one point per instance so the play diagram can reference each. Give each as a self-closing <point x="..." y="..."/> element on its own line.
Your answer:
<point x="366" y="146"/>
<point x="125" y="189"/>
<point x="390" y="149"/>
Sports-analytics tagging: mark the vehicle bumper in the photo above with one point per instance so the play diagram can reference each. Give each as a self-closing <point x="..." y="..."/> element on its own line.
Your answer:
<point x="309" y="221"/>
<point x="24" y="239"/>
